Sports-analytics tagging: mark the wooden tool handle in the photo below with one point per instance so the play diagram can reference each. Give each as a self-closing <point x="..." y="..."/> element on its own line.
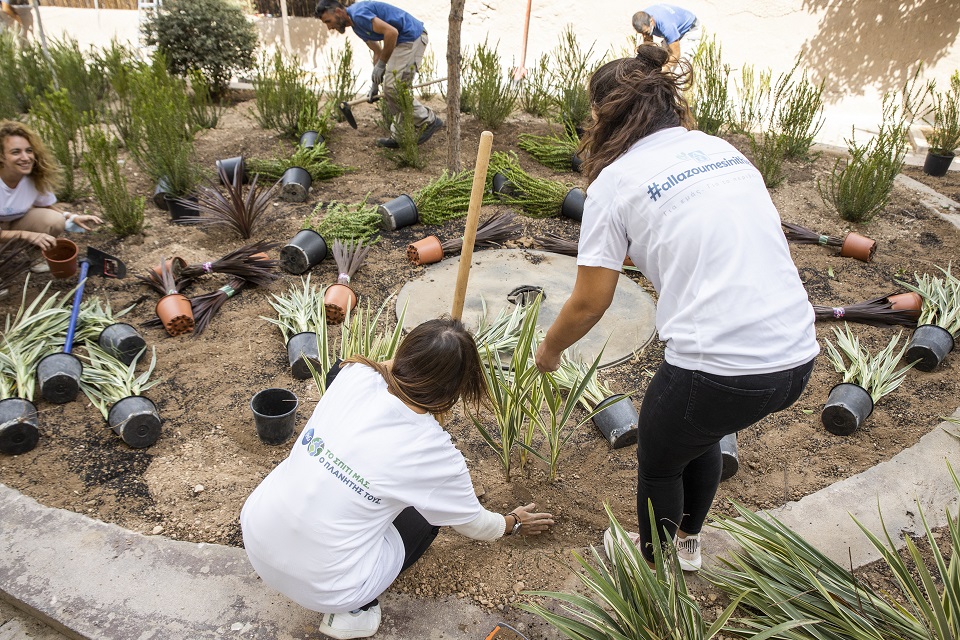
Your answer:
<point x="473" y="217"/>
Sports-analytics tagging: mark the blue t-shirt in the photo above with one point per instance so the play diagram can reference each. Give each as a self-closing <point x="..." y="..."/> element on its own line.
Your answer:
<point x="671" y="22"/>
<point x="363" y="13"/>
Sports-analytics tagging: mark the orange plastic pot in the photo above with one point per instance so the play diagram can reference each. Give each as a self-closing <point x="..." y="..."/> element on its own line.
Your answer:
<point x="858" y="246"/>
<point x="260" y="256"/>
<point x="176" y="313"/>
<point x="62" y="258"/>
<point x="338" y="300"/>
<point x="175" y="264"/>
<point x="426" y="251"/>
<point x="909" y="301"/>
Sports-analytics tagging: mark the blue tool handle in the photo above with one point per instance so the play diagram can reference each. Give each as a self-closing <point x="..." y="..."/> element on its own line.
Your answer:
<point x="75" y="313"/>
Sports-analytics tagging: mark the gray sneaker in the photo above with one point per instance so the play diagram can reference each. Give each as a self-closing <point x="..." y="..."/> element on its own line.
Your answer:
<point x="688" y="552"/>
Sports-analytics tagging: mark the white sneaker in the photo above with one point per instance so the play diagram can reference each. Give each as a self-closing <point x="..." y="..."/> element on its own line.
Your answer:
<point x="608" y="542"/>
<point x="40" y="267"/>
<point x="356" y="624"/>
<point x="688" y="552"/>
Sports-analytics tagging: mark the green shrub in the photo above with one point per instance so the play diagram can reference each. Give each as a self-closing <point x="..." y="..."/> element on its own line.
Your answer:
<point x="58" y="123"/>
<point x="709" y="93"/>
<point x="316" y="160"/>
<point x="287" y="97"/>
<point x="536" y="91"/>
<point x="945" y="136"/>
<point x="205" y="112"/>
<point x="85" y="81"/>
<point x="555" y="152"/>
<point x="212" y="36"/>
<point x="122" y="212"/>
<point x="123" y="70"/>
<point x="13" y="100"/>
<point x="798" y="111"/>
<point x="402" y="128"/>
<point x="343" y="221"/>
<point x="571" y="71"/>
<point x="427" y="73"/>
<point x="341" y="82"/>
<point x="492" y="94"/>
<point x="752" y="103"/>
<point x="769" y="151"/>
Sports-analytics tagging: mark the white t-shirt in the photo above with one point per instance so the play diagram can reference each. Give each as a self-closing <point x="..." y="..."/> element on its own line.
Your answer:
<point x="695" y="217"/>
<point x="319" y="527"/>
<point x="14" y="203"/>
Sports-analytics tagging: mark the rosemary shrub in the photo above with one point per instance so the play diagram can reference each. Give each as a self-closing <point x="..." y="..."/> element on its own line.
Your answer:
<point x="571" y="71"/>
<point x="286" y="96"/>
<point x="402" y="127"/>
<point x="945" y="137"/>
<point x="749" y="109"/>
<point x="13" y="91"/>
<point x="769" y="151"/>
<point x="709" y="92"/>
<point x="445" y="198"/>
<point x="84" y="81"/>
<point x="123" y="212"/>
<point x="341" y="80"/>
<point x="205" y="112"/>
<point x="798" y="111"/>
<point x="537" y="197"/>
<point x="536" y="89"/>
<point x="492" y="94"/>
<point x="555" y="151"/>
<point x="343" y="221"/>
<point x="58" y="123"/>
<point x="428" y="73"/>
<point x="316" y="160"/>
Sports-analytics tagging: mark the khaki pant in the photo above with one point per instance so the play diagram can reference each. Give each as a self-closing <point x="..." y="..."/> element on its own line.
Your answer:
<point x="403" y="66"/>
<point x="40" y="220"/>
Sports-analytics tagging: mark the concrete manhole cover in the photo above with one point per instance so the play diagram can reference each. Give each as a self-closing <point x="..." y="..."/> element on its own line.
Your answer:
<point x="626" y="327"/>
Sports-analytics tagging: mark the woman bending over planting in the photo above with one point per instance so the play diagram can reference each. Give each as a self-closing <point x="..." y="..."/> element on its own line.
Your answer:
<point x="694" y="216"/>
<point x="370" y="479"/>
<point x="28" y="175"/>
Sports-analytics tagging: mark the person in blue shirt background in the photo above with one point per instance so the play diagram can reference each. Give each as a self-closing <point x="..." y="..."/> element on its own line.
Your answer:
<point x="670" y="23"/>
<point x="398" y="41"/>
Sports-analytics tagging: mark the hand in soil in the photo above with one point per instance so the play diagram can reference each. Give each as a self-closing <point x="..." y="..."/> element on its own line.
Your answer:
<point x="532" y="523"/>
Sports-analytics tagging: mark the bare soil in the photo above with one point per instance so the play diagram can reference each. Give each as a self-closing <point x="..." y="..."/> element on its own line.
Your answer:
<point x="192" y="483"/>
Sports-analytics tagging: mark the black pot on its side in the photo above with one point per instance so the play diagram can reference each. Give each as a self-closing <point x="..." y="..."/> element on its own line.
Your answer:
<point x="731" y="456"/>
<point x="229" y="167"/>
<point x="617" y="421"/>
<point x="572" y="206"/>
<point x="305" y="250"/>
<point x="310" y="139"/>
<point x="503" y="187"/>
<point x="58" y="376"/>
<point x="122" y="341"/>
<point x="18" y="426"/>
<point x="847" y="407"/>
<point x="575" y="163"/>
<point x="398" y="213"/>
<point x="160" y="194"/>
<point x="936" y="164"/>
<point x="295" y="184"/>
<point x="136" y="420"/>
<point x="183" y="210"/>
<point x="929" y="346"/>
<point x="300" y="348"/>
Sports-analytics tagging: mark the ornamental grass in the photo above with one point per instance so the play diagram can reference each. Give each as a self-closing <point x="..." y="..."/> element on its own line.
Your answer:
<point x="105" y="380"/>
<point x="941" y="300"/>
<point x="877" y="373"/>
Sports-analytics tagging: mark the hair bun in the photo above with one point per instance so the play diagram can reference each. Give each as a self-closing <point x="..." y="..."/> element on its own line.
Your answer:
<point x="652" y="56"/>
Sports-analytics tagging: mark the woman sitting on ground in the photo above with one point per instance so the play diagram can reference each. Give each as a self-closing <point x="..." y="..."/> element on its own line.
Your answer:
<point x="28" y="176"/>
<point x="371" y="478"/>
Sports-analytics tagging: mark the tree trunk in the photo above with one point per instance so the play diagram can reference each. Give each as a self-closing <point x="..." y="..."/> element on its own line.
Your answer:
<point x="453" y="85"/>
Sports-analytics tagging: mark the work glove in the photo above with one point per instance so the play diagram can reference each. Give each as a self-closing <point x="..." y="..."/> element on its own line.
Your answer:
<point x="374" y="94"/>
<point x="379" y="70"/>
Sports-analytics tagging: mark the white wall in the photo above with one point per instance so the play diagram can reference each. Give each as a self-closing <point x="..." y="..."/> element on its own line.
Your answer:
<point x="860" y="47"/>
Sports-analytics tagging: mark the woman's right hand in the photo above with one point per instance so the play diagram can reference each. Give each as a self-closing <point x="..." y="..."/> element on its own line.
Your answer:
<point x="531" y="522"/>
<point x="42" y="240"/>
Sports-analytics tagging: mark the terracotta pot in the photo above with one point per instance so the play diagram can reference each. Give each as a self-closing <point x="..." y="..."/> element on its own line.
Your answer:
<point x="260" y="256"/>
<point x="176" y="313"/>
<point x="62" y="258"/>
<point x="176" y="264"/>
<point x="909" y="301"/>
<point x="937" y="164"/>
<point x="338" y="300"/>
<point x="426" y="251"/>
<point x="858" y="246"/>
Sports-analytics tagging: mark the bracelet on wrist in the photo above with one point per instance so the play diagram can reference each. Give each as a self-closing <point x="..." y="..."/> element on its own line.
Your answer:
<point x="516" y="524"/>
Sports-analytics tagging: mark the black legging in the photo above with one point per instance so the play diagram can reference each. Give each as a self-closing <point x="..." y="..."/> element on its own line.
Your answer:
<point x="683" y="417"/>
<point x="417" y="535"/>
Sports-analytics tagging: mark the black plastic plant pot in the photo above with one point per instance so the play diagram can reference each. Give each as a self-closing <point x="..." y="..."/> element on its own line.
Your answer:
<point x="183" y="210"/>
<point x="398" y="213"/>
<point x="295" y="184"/>
<point x="58" y="375"/>
<point x="160" y="194"/>
<point x="18" y="426"/>
<point x="937" y="164"/>
<point x="122" y="341"/>
<point x="136" y="420"/>
<point x="848" y="405"/>
<point x="300" y="348"/>
<point x="310" y="139"/>
<point x="731" y="456"/>
<point x="575" y="163"/>
<point x="304" y="251"/>
<point x="929" y="346"/>
<point x="230" y="166"/>
<point x="617" y="421"/>
<point x="572" y="206"/>
<point x="275" y="414"/>
<point x="504" y="187"/>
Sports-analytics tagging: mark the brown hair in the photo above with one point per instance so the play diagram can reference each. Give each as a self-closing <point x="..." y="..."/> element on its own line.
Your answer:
<point x="46" y="173"/>
<point x="436" y="365"/>
<point x="632" y="98"/>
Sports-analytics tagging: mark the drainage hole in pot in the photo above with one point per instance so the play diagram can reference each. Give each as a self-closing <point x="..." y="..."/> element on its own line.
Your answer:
<point x="525" y="294"/>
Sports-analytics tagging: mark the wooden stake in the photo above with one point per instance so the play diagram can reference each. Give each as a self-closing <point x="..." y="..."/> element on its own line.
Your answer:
<point x="473" y="217"/>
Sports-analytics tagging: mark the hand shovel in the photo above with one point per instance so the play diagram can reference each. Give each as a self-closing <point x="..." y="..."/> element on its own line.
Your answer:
<point x="59" y="373"/>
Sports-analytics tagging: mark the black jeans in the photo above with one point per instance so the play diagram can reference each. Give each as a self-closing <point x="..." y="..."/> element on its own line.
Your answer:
<point x="417" y="535"/>
<point x="683" y="417"/>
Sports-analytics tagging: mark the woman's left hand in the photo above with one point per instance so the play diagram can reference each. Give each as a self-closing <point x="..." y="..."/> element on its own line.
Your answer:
<point x="85" y="220"/>
<point x="532" y="523"/>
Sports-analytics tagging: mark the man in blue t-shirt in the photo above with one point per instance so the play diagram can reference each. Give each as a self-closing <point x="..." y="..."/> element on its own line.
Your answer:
<point x="670" y="23"/>
<point x="398" y="41"/>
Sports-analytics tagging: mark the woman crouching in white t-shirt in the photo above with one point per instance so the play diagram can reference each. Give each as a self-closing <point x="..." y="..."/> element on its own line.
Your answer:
<point x="695" y="217"/>
<point x="370" y="479"/>
<point x="28" y="176"/>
